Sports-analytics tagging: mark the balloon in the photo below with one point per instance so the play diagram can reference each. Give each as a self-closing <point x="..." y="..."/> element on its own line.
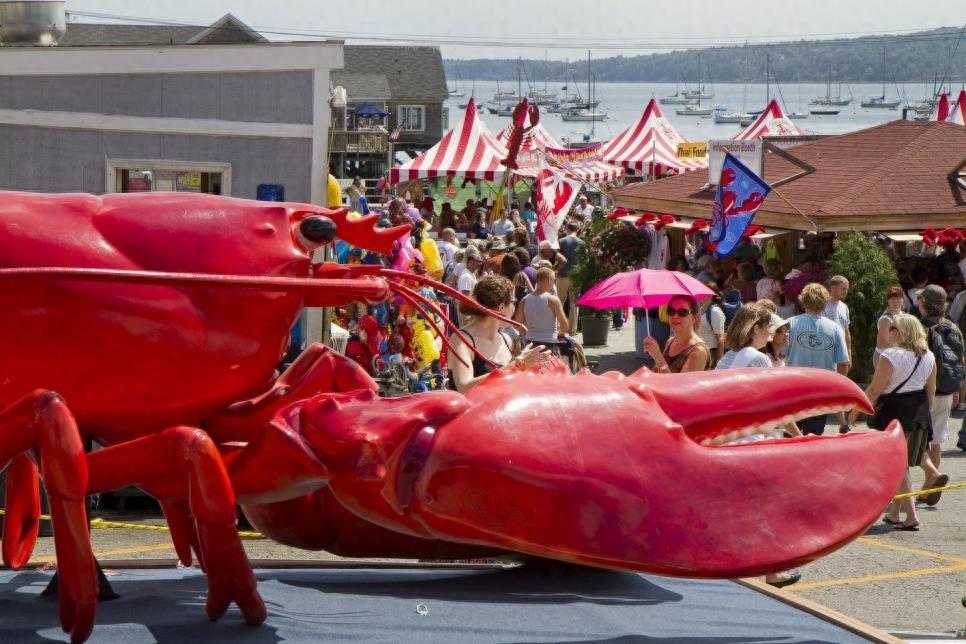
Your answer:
<point x="431" y="259"/>
<point x="334" y="193"/>
<point x="405" y="254"/>
<point x="424" y="344"/>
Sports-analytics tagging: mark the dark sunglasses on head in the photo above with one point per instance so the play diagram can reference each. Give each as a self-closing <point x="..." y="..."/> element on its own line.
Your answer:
<point x="682" y="313"/>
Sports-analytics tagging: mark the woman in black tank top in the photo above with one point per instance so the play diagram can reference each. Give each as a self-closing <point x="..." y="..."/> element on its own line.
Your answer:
<point x="497" y="293"/>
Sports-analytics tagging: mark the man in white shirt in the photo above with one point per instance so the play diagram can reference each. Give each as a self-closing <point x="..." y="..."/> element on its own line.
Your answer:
<point x="837" y="311"/>
<point x="583" y="212"/>
<point x="501" y="226"/>
<point x="447" y="245"/>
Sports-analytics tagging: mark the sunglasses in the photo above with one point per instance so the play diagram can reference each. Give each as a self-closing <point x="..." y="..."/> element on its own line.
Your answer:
<point x="681" y="313"/>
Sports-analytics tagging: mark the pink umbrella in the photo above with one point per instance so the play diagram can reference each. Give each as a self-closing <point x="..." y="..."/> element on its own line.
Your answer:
<point x="644" y="288"/>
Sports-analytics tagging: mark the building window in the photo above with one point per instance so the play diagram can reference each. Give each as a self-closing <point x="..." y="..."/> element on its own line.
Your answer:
<point x="167" y="176"/>
<point x="412" y="118"/>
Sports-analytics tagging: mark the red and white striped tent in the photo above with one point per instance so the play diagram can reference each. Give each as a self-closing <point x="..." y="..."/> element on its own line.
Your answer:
<point x="468" y="150"/>
<point x="650" y="146"/>
<point x="958" y="113"/>
<point x="771" y="122"/>
<point x="536" y="138"/>
<point x="941" y="113"/>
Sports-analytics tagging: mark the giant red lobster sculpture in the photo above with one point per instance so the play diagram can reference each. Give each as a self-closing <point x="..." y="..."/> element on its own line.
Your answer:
<point x="154" y="323"/>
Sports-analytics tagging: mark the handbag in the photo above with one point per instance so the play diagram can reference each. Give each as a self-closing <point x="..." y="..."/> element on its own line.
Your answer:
<point x="876" y="421"/>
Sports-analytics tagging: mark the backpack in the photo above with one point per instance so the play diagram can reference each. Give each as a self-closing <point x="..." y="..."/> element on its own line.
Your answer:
<point x="947" y="346"/>
<point x="730" y="306"/>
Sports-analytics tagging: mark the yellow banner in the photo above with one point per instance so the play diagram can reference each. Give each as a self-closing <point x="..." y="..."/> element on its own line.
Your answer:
<point x="692" y="150"/>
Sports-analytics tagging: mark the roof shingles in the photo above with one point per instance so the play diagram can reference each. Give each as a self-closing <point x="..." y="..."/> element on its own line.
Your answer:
<point x="898" y="169"/>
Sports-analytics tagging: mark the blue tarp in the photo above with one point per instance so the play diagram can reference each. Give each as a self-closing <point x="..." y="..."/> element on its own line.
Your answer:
<point x="540" y="604"/>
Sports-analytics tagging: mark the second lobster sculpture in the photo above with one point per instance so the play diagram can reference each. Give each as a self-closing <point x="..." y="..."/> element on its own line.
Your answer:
<point x="153" y="323"/>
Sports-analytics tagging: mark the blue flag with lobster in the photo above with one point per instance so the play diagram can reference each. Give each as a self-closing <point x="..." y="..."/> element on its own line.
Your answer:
<point x="740" y="193"/>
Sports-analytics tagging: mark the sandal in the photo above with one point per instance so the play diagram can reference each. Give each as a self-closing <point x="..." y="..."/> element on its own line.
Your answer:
<point x="933" y="497"/>
<point x="908" y="528"/>
<point x="891" y="522"/>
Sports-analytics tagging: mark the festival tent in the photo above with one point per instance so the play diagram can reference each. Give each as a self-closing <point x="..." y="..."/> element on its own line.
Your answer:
<point x="942" y="109"/>
<point x="468" y="150"/>
<point x="536" y="138"/>
<point x="650" y="146"/>
<point x="771" y="122"/>
<point x="958" y="113"/>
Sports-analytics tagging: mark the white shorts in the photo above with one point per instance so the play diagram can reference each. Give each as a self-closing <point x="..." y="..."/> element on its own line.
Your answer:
<point x="941" y="406"/>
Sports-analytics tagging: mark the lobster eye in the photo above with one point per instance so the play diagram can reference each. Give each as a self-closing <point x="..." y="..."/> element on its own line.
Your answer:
<point x="318" y="229"/>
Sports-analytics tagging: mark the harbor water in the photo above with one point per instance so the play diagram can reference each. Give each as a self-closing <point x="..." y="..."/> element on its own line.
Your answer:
<point x="625" y="102"/>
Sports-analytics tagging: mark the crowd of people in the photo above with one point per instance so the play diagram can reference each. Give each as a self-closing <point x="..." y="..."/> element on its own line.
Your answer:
<point x="919" y="361"/>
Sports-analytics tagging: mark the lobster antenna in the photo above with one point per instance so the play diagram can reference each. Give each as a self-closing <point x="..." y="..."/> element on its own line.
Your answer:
<point x="417" y="301"/>
<point x="452" y="292"/>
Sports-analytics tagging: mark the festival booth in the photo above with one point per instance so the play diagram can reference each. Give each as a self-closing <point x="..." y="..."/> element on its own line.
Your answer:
<point x="649" y="147"/>
<point x="835" y="183"/>
<point x="472" y="152"/>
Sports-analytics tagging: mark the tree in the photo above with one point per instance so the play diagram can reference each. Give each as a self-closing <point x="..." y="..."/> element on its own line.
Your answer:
<point x="870" y="273"/>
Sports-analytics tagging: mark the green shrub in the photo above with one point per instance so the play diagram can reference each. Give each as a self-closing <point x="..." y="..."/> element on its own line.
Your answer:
<point x="870" y="273"/>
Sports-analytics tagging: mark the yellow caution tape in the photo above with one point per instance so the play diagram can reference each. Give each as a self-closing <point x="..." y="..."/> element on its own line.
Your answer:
<point x="101" y="523"/>
<point x="907" y="495"/>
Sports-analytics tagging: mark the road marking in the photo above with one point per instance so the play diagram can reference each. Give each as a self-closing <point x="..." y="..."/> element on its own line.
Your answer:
<point x="912" y="551"/>
<point x="108" y="553"/>
<point x="861" y="580"/>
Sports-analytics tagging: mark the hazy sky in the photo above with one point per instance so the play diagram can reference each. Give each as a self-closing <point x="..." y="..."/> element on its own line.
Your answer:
<point x="460" y="26"/>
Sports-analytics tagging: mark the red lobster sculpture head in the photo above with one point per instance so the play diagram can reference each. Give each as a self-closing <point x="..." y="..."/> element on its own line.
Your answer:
<point x="152" y="308"/>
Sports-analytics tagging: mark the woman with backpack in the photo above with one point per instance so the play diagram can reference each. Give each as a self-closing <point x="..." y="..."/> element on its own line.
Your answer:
<point x="903" y="388"/>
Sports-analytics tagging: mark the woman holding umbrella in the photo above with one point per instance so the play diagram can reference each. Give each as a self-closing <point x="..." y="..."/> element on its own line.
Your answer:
<point x="685" y="350"/>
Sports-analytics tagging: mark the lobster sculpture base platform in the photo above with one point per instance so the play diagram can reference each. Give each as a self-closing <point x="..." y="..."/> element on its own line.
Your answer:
<point x="432" y="605"/>
<point x="158" y="331"/>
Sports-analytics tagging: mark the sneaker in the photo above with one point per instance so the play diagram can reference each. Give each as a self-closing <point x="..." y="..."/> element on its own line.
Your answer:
<point x="961" y="406"/>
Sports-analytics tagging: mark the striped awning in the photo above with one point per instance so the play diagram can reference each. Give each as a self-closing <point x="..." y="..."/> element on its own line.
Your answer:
<point x="468" y="150"/>
<point x="650" y="146"/>
<point x="771" y="122"/>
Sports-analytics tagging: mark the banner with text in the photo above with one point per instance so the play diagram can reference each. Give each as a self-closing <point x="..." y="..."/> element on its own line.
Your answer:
<point x="748" y="152"/>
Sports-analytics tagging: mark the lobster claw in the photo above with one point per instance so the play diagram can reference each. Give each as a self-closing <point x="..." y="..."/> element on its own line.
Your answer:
<point x="618" y="481"/>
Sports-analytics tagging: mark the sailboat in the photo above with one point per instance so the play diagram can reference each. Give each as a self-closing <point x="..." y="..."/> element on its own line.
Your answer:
<point x="586" y="113"/>
<point x="880" y="101"/>
<point x="828" y="99"/>
<point x="699" y="94"/>
<point x="545" y="97"/>
<point x="677" y="98"/>
<point x="454" y="92"/>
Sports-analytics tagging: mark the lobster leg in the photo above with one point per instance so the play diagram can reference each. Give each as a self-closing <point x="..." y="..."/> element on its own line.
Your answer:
<point x="41" y="420"/>
<point x="22" y="520"/>
<point x="190" y="452"/>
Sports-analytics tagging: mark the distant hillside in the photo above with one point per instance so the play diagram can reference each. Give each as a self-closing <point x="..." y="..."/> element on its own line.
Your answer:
<point x="911" y="57"/>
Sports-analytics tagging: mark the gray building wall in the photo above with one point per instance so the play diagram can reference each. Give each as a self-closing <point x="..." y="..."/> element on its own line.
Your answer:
<point x="434" y="124"/>
<point x="66" y="160"/>
<point x="268" y="97"/>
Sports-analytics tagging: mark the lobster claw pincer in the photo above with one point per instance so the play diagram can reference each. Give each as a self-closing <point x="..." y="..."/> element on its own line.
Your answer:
<point x="616" y="480"/>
